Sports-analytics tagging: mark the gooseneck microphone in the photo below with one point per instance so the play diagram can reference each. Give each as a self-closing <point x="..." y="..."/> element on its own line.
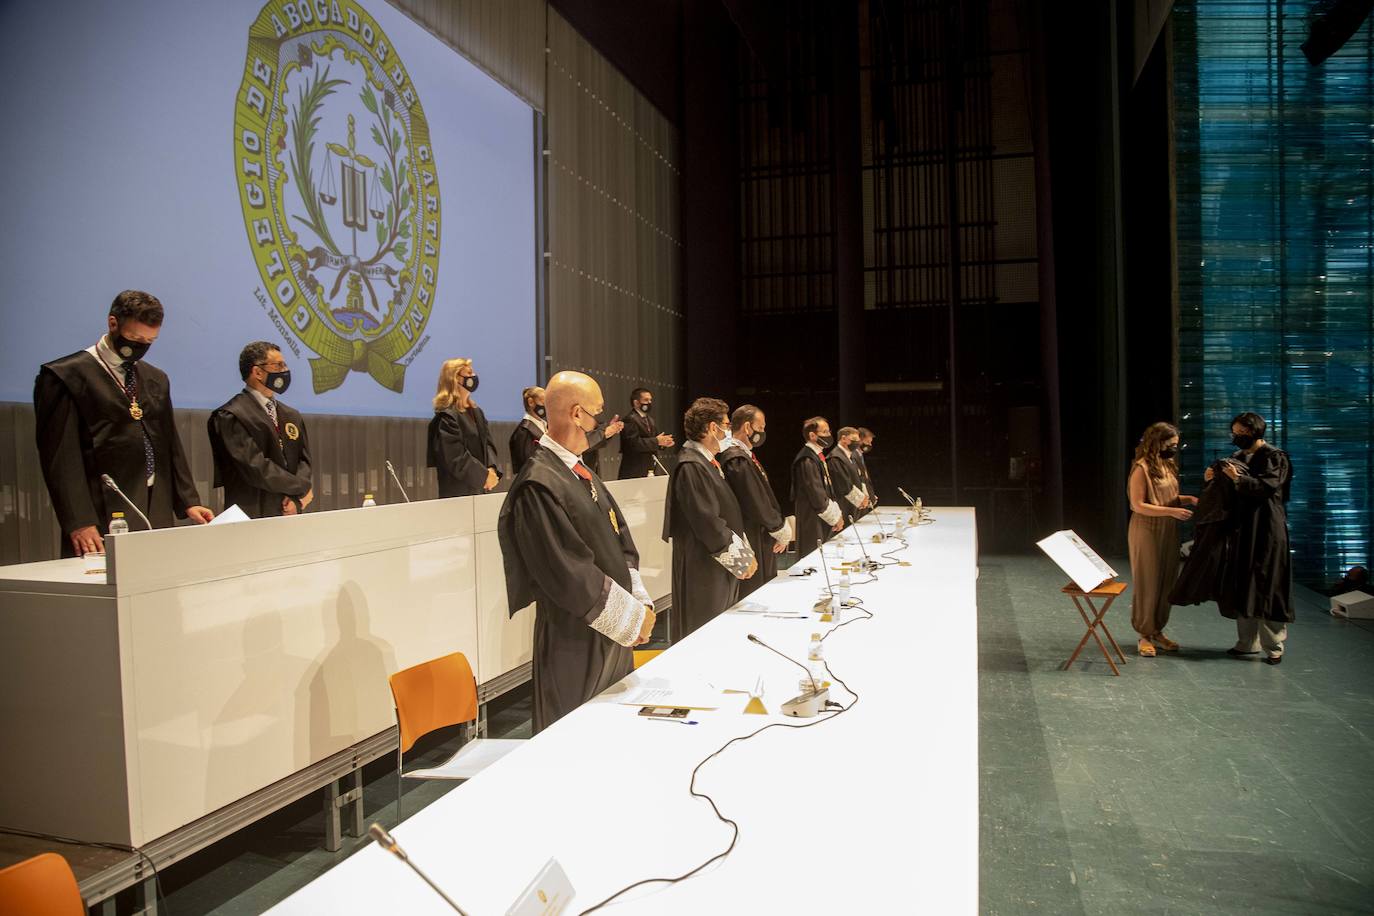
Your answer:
<point x="392" y="471"/>
<point x="911" y="502"/>
<point x="387" y="842"/>
<point x="109" y="483"/>
<point x="804" y="705"/>
<point x="660" y="466"/>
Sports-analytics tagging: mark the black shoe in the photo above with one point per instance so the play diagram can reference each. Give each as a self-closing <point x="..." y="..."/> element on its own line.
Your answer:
<point x="1236" y="653"/>
<point x="1272" y="659"/>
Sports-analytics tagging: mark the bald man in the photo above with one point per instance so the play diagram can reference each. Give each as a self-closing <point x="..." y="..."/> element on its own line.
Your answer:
<point x="567" y="547"/>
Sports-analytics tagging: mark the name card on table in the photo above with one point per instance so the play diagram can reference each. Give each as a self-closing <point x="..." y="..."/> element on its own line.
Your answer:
<point x="1079" y="561"/>
<point x="547" y="895"/>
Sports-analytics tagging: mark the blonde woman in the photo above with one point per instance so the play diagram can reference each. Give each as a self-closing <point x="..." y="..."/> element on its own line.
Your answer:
<point x="460" y="446"/>
<point x="1156" y="509"/>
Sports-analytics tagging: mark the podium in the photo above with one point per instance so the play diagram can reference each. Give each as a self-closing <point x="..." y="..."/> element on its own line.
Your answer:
<point x="1096" y="620"/>
<point x="216" y="673"/>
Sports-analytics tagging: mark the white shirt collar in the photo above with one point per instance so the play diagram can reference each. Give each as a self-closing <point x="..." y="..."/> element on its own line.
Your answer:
<point x="733" y="441"/>
<point x="815" y="448"/>
<point x="844" y="450"/>
<point x="563" y="454"/>
<point x="102" y="351"/>
<point x="702" y="449"/>
<point x="258" y="396"/>
<point x="542" y="426"/>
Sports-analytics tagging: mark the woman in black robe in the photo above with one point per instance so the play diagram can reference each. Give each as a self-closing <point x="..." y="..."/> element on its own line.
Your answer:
<point x="1258" y="595"/>
<point x="460" y="447"/>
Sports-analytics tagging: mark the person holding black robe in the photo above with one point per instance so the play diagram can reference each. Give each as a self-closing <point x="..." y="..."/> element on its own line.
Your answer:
<point x="262" y="455"/>
<point x="765" y="528"/>
<point x="525" y="439"/>
<point x="103" y="410"/>
<point x="460" y="447"/>
<point x="813" y="495"/>
<point x="567" y="547"/>
<point x="641" y="442"/>
<point x="1258" y="595"/>
<point x="844" y="475"/>
<point x="702" y="519"/>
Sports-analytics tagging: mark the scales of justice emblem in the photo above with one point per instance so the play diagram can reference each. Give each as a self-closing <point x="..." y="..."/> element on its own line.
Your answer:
<point x="339" y="188"/>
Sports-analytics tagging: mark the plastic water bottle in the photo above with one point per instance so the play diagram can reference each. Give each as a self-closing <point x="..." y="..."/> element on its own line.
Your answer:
<point x="842" y="592"/>
<point x="117" y="524"/>
<point x="815" y="664"/>
<point x="368" y="500"/>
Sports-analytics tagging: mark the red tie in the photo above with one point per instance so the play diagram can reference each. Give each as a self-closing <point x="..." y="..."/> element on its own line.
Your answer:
<point x="715" y="464"/>
<point x="582" y="472"/>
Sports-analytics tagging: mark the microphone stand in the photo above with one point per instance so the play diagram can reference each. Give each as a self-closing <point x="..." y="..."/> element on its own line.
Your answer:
<point x="109" y="483"/>
<point x="392" y="471"/>
<point x="660" y="466"/>
<point x="385" y="840"/>
<point x="804" y="705"/>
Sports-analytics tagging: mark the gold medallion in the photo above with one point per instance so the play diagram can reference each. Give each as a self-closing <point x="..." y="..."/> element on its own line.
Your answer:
<point x="134" y="410"/>
<point x="614" y="524"/>
<point x="293" y="431"/>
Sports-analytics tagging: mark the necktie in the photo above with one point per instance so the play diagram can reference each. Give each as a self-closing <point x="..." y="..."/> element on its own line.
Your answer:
<point x="581" y="471"/>
<point x="757" y="464"/>
<point x="271" y="406"/>
<point x="131" y="392"/>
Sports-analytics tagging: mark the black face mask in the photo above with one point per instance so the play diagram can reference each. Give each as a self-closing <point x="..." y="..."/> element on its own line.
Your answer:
<point x="540" y="412"/>
<point x="128" y="350"/>
<point x="825" y="441"/>
<point x="471" y="382"/>
<point x="758" y="437"/>
<point x="1242" y="441"/>
<point x="278" y="382"/>
<point x="1168" y="454"/>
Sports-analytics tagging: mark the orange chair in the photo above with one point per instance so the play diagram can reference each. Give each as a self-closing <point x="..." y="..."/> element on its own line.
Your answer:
<point x="41" y="886"/>
<point x="439" y="694"/>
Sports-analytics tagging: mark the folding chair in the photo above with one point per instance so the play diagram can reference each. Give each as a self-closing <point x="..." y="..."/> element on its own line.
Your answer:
<point x="1096" y="621"/>
<point x="41" y="886"/>
<point x="438" y="694"/>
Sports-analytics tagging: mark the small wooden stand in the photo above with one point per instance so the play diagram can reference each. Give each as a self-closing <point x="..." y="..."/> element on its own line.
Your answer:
<point x="1109" y="590"/>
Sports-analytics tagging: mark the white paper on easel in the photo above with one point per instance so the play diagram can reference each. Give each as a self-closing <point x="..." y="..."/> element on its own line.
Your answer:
<point x="1077" y="559"/>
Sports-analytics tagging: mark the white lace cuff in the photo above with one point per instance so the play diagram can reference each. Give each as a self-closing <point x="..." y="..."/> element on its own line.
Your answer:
<point x="855" y="496"/>
<point x="831" y="515"/>
<point x="784" y="534"/>
<point x="737" y="558"/>
<point x="637" y="587"/>
<point x="622" y="617"/>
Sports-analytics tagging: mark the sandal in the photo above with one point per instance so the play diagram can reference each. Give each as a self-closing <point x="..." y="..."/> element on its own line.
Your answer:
<point x="1146" y="648"/>
<point x="1164" y="642"/>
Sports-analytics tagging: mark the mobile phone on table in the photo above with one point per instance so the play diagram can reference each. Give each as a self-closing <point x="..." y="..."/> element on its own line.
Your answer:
<point x="664" y="712"/>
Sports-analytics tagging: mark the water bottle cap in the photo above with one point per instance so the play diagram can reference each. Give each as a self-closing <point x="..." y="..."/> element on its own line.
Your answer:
<point x="816" y="636"/>
<point x="367" y="496"/>
<point x="116" y="515"/>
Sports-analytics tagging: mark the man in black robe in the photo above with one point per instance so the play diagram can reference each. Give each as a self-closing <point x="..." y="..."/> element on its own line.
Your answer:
<point x="813" y="495"/>
<point x="848" y="485"/>
<point x="261" y="452"/>
<point x="103" y="411"/>
<point x="566" y="547"/>
<point x="641" y="442"/>
<point x="598" y="439"/>
<point x="525" y="439"/>
<point x="702" y="518"/>
<point x="1258" y="595"/>
<point x="861" y="459"/>
<point x="765" y="528"/>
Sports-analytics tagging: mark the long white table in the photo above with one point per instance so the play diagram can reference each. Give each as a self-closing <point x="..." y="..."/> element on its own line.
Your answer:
<point x="874" y="812"/>
<point x="216" y="662"/>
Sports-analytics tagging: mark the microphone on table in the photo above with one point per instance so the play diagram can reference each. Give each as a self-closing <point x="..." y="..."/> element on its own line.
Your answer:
<point x="392" y="471"/>
<point x="804" y="705"/>
<point x="911" y="502"/>
<point x="109" y="483"/>
<point x="387" y="842"/>
<point x="660" y="466"/>
<point x="868" y="562"/>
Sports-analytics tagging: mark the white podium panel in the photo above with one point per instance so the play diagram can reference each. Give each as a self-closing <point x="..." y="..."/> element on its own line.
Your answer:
<point x="214" y="661"/>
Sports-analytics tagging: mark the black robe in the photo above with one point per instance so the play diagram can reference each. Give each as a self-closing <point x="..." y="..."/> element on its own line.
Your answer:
<point x="84" y="430"/>
<point x="561" y="551"/>
<point x="759" y="507"/>
<point x="523" y="442"/>
<point x="1204" y="574"/>
<point x="596" y="441"/>
<point x="1259" y="578"/>
<point x="811" y="492"/>
<point x="256" y="464"/>
<point x="638" y="446"/>
<point x="861" y="462"/>
<point x="461" y="450"/>
<point x="844" y="477"/>
<point x="700" y="515"/>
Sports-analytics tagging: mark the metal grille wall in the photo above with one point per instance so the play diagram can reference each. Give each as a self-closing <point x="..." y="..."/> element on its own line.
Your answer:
<point x="1276" y="258"/>
<point x="615" y="253"/>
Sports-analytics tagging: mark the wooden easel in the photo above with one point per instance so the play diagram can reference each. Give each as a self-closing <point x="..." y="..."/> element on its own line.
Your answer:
<point x="1109" y="590"/>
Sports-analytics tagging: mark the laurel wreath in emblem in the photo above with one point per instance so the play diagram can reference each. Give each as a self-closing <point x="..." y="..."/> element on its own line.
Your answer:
<point x="339" y="188"/>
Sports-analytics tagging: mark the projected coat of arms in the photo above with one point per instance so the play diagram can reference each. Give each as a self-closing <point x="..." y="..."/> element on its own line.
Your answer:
<point x="339" y="188"/>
